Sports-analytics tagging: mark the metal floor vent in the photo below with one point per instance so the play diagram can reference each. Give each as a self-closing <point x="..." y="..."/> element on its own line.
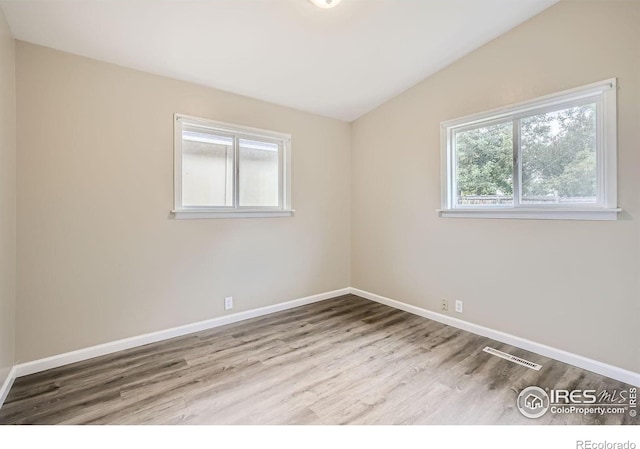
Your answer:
<point x="512" y="358"/>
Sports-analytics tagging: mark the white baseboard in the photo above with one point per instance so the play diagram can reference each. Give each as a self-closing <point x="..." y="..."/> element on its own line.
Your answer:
<point x="24" y="369"/>
<point x="595" y="366"/>
<point x="6" y="385"/>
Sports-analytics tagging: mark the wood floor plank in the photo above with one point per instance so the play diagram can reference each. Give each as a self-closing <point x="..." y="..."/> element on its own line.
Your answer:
<point x="341" y="361"/>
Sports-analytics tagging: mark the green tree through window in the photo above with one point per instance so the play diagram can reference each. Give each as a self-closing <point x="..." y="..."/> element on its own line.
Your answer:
<point x="558" y="159"/>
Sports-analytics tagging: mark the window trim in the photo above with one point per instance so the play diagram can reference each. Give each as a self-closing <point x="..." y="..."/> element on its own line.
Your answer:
<point x="238" y="132"/>
<point x="603" y="93"/>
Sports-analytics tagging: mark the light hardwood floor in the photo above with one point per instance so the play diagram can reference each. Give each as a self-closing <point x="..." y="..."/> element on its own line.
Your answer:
<point x="342" y="361"/>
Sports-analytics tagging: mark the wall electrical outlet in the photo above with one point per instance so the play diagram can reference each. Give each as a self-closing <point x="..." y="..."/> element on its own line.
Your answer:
<point x="228" y="303"/>
<point x="459" y="306"/>
<point x="445" y="305"/>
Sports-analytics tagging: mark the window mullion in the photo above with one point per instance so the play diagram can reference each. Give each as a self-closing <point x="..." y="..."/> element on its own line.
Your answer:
<point x="236" y="172"/>
<point x="452" y="177"/>
<point x="281" y="185"/>
<point x="177" y="160"/>
<point x="600" y="155"/>
<point x="517" y="164"/>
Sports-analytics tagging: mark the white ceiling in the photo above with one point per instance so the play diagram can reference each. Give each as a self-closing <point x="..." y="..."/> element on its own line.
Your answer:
<point x="339" y="62"/>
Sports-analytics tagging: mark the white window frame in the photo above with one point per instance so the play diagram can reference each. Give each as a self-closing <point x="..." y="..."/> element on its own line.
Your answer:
<point x="238" y="132"/>
<point x="603" y="93"/>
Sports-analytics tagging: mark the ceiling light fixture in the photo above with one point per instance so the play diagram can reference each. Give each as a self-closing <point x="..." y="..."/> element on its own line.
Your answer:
<point x="325" y="3"/>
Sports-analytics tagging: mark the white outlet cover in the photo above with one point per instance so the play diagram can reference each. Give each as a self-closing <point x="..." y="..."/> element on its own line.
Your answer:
<point x="459" y="306"/>
<point x="228" y="303"/>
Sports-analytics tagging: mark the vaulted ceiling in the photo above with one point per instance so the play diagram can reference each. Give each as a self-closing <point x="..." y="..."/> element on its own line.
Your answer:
<point x="340" y="62"/>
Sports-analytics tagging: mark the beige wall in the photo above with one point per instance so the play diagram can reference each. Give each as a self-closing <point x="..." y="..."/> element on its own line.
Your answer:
<point x="100" y="259"/>
<point x="7" y="198"/>
<point x="570" y="285"/>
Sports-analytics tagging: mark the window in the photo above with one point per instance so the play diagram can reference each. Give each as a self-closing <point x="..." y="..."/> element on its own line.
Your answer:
<point x="552" y="157"/>
<point x="225" y="171"/>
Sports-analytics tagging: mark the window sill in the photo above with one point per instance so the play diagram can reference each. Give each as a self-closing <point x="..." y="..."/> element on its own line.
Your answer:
<point x="200" y="214"/>
<point x="533" y="214"/>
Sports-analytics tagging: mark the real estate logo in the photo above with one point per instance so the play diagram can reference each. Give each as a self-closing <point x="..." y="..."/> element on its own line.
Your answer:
<point x="533" y="402"/>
